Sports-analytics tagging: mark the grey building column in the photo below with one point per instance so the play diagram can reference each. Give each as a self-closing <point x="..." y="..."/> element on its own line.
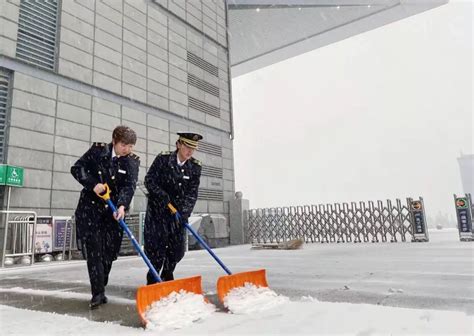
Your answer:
<point x="238" y="208"/>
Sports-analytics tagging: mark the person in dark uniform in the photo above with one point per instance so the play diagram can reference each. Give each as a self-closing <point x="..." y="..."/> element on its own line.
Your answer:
<point x="172" y="178"/>
<point x="98" y="233"/>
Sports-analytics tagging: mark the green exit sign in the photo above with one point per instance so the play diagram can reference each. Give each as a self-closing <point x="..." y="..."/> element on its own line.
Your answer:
<point x="11" y="175"/>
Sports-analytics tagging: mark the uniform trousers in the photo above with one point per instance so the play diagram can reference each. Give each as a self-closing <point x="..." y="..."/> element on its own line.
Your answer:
<point x="164" y="246"/>
<point x="100" y="244"/>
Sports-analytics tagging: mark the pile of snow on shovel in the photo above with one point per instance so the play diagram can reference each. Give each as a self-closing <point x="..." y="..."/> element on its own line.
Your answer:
<point x="178" y="310"/>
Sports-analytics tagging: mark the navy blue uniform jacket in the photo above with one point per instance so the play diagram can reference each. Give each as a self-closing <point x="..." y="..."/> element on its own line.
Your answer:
<point x="97" y="166"/>
<point x="167" y="182"/>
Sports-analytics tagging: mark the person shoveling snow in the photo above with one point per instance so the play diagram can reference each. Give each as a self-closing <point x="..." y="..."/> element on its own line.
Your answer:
<point x="177" y="310"/>
<point x="250" y="298"/>
<point x="146" y="295"/>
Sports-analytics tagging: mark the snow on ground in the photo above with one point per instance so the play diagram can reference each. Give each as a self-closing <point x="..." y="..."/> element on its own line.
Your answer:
<point x="251" y="299"/>
<point x="14" y="321"/>
<point x="404" y="282"/>
<point x="177" y="310"/>
<point x="305" y="316"/>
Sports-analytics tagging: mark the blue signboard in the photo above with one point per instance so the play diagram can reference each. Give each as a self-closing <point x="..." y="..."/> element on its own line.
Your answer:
<point x="59" y="233"/>
<point x="465" y="221"/>
<point x="419" y="217"/>
<point x="420" y="233"/>
<point x="419" y="222"/>
<point x="463" y="213"/>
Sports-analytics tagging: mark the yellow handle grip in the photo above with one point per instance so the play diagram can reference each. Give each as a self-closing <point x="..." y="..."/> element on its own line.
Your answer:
<point x="106" y="194"/>
<point x="172" y="208"/>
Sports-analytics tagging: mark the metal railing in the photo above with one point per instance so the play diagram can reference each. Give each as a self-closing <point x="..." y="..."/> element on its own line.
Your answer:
<point x="69" y="238"/>
<point x="326" y="223"/>
<point x="135" y="222"/>
<point x="21" y="241"/>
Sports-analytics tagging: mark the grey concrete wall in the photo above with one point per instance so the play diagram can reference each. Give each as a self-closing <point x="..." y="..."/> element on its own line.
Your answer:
<point x="131" y="58"/>
<point x="9" y="11"/>
<point x="238" y="223"/>
<point x="52" y="126"/>
<point x="138" y="49"/>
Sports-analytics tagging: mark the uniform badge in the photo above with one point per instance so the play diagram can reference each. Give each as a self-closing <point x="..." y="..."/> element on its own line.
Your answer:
<point x="121" y="171"/>
<point x="186" y="177"/>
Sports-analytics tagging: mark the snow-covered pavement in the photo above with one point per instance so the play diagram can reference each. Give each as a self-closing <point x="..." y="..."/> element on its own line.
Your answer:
<point x="294" y="318"/>
<point x="432" y="282"/>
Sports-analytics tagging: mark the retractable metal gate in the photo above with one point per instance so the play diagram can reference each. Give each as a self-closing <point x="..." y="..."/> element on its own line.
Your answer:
<point x="339" y="222"/>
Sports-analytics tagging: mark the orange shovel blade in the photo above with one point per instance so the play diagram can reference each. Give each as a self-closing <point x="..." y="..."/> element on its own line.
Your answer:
<point x="227" y="282"/>
<point x="146" y="295"/>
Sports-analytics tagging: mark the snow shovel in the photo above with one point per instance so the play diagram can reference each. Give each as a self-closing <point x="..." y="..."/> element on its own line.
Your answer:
<point x="232" y="280"/>
<point x="146" y="295"/>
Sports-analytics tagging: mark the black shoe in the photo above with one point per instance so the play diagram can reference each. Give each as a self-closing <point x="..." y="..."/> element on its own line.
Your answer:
<point x="97" y="300"/>
<point x="150" y="279"/>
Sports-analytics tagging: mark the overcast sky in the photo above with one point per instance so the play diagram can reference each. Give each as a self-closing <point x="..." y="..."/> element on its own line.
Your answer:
<point x="384" y="114"/>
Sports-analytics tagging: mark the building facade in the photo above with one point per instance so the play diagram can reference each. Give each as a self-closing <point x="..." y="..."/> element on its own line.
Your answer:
<point x="72" y="70"/>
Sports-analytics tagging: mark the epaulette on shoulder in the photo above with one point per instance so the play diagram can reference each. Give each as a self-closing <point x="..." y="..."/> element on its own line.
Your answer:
<point x="196" y="161"/>
<point x="134" y="156"/>
<point x="165" y="153"/>
<point x="99" y="144"/>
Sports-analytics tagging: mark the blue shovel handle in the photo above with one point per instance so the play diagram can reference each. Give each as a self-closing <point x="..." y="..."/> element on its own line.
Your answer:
<point x="106" y="197"/>
<point x="199" y="239"/>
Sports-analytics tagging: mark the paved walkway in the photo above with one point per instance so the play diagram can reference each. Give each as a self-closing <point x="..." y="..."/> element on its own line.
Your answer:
<point x="435" y="275"/>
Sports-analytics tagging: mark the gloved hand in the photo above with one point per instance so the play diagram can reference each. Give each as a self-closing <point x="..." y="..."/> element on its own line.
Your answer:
<point x="176" y="216"/>
<point x="171" y="208"/>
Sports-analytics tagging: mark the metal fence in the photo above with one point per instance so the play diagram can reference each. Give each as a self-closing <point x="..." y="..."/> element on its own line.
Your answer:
<point x="336" y="223"/>
<point x="135" y="222"/>
<point x="26" y="238"/>
<point x="18" y="235"/>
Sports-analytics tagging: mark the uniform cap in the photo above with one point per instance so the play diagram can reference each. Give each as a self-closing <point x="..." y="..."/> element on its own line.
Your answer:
<point x="190" y="139"/>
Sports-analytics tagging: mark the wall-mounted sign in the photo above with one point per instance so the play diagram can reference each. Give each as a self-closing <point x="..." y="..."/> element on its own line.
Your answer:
<point x="11" y="175"/>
